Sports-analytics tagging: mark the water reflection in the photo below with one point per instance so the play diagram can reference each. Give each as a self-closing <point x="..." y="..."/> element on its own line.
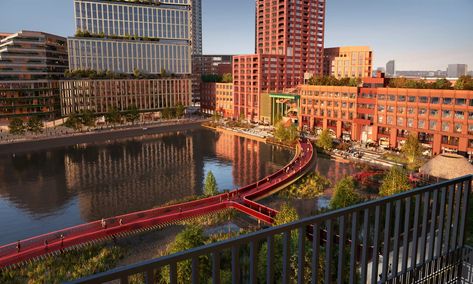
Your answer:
<point x="47" y="190"/>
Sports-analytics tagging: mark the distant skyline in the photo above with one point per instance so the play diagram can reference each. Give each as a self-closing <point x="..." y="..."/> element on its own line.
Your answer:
<point x="418" y="35"/>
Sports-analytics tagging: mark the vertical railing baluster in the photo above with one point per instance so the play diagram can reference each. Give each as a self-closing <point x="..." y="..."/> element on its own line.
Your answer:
<point x="354" y="246"/>
<point x="397" y="221"/>
<point x="301" y="259"/>
<point x="458" y="193"/>
<point x="195" y="270"/>
<point x="425" y="220"/>
<point x="386" y="242"/>
<point x="286" y="257"/>
<point x="448" y="224"/>
<point x="415" y="233"/>
<point x="235" y="264"/>
<point x="405" y="239"/>
<point x="328" y="252"/>
<point x="216" y="267"/>
<point x="364" y="253"/>
<point x="465" y="206"/>
<point x="315" y="253"/>
<point x="433" y="225"/>
<point x="173" y="273"/>
<point x="269" y="260"/>
<point x="374" y="266"/>
<point x="341" y="249"/>
<point x="438" y="248"/>
<point x="253" y="261"/>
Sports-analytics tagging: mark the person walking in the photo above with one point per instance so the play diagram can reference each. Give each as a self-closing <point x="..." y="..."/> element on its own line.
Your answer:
<point x="62" y="240"/>
<point x="104" y="223"/>
<point x="18" y="246"/>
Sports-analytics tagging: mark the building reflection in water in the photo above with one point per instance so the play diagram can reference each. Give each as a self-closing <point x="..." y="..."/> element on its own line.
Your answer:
<point x="70" y="185"/>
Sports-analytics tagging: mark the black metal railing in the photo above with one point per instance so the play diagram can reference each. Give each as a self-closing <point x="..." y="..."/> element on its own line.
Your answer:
<point x="413" y="237"/>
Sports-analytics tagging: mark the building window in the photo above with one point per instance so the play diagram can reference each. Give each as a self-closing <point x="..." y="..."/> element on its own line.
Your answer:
<point x="400" y="121"/>
<point x="410" y="110"/>
<point x="423" y="100"/>
<point x="459" y="115"/>
<point x="422" y="111"/>
<point x="411" y="99"/>
<point x="433" y="125"/>
<point x="447" y="114"/>
<point x="447" y="101"/>
<point x="401" y="98"/>
<point x="460" y="102"/>
<point x="434" y="112"/>
<point x="410" y="122"/>
<point x="445" y="126"/>
<point x="458" y="128"/>
<point x="421" y="123"/>
<point x="435" y="100"/>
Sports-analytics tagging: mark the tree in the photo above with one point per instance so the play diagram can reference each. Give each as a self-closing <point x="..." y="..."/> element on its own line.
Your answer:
<point x="325" y="140"/>
<point x="286" y="214"/>
<point x="345" y="194"/>
<point x="113" y="116"/>
<point x="309" y="186"/>
<point x="180" y="109"/>
<point x="137" y="73"/>
<point x="168" y="113"/>
<point x="210" y="185"/>
<point x="132" y="114"/>
<point x="17" y="126"/>
<point x="191" y="237"/>
<point x="35" y="125"/>
<point x="227" y="78"/>
<point x="412" y="149"/>
<point x="394" y="182"/>
<point x="87" y="118"/>
<point x="285" y="133"/>
<point x="442" y="84"/>
<point x="464" y="83"/>
<point x="73" y="122"/>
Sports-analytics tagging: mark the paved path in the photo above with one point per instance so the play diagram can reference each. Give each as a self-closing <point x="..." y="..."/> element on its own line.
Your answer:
<point x="243" y="199"/>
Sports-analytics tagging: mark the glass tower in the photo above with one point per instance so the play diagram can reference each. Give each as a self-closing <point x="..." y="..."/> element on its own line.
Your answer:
<point x="122" y="36"/>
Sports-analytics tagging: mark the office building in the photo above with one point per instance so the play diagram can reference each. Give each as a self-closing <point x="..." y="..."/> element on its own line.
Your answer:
<point x="456" y="70"/>
<point x="289" y="45"/>
<point x="196" y="27"/>
<point x="118" y="36"/>
<point x="348" y="61"/>
<point x="30" y="61"/>
<point x="391" y="69"/>
<point x="101" y="96"/>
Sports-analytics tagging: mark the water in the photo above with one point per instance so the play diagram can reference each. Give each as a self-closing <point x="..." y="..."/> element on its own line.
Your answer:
<point x="43" y="191"/>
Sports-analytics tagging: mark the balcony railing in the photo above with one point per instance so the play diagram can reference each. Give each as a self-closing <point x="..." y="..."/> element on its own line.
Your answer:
<point x="413" y="237"/>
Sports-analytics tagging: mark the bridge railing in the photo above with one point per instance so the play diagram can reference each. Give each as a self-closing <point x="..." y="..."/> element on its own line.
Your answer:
<point x="413" y="237"/>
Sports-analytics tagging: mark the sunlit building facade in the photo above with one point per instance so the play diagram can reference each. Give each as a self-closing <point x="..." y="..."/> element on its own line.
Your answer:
<point x="102" y="96"/>
<point x="123" y="36"/>
<point x="348" y="61"/>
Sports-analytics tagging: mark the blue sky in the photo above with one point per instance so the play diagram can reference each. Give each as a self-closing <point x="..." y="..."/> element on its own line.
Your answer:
<point x="418" y="34"/>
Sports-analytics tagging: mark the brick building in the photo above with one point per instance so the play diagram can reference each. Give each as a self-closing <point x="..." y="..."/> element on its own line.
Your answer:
<point x="348" y="61"/>
<point x="289" y="45"/>
<point x="217" y="97"/>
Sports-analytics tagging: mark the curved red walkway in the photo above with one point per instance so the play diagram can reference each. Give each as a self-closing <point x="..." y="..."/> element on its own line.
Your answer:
<point x="242" y="199"/>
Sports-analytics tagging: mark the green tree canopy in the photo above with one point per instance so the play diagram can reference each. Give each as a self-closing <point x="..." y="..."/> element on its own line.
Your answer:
<point x="17" y="126"/>
<point x="345" y="194"/>
<point x="412" y="149"/>
<point x="464" y="83"/>
<point x="35" y="125"/>
<point x="395" y="181"/>
<point x="73" y="121"/>
<point x="227" y="78"/>
<point x="310" y="186"/>
<point x="211" y="78"/>
<point x="132" y="114"/>
<point x="441" y="84"/>
<point x="113" y="116"/>
<point x="333" y="81"/>
<point x="210" y="185"/>
<point x="168" y="113"/>
<point x="191" y="237"/>
<point x="285" y="133"/>
<point x="286" y="214"/>
<point x="87" y="117"/>
<point x="180" y="110"/>
<point x="325" y="140"/>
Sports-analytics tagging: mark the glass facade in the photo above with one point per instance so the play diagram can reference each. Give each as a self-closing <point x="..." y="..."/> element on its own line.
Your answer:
<point x="123" y="36"/>
<point x="125" y="56"/>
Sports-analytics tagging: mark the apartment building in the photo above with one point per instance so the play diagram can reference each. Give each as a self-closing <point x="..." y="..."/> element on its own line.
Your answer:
<point x="289" y="45"/>
<point x="30" y="61"/>
<point x="348" y="61"/>
<point x="217" y="97"/>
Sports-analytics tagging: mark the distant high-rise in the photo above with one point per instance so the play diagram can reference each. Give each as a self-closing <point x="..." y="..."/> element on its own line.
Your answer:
<point x="196" y="27"/>
<point x="456" y="70"/>
<point x="348" y="61"/>
<point x="122" y="36"/>
<point x="391" y="68"/>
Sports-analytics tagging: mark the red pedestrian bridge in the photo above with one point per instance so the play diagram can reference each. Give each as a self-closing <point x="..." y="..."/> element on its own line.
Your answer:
<point x="242" y="199"/>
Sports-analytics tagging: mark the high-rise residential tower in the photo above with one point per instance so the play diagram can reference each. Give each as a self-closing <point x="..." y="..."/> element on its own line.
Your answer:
<point x="196" y="27"/>
<point x="391" y="69"/>
<point x="289" y="45"/>
<point x="122" y="36"/>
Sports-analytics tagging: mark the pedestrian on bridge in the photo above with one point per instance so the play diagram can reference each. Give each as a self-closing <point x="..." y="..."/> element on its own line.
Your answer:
<point x="104" y="223"/>
<point x="62" y="240"/>
<point x="120" y="221"/>
<point x="46" y="244"/>
<point x="18" y="246"/>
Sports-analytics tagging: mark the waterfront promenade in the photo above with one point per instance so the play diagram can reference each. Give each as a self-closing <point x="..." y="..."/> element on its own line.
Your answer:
<point x="243" y="199"/>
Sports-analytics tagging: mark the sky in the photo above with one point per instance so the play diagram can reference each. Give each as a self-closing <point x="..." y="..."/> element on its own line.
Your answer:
<point x="418" y="34"/>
